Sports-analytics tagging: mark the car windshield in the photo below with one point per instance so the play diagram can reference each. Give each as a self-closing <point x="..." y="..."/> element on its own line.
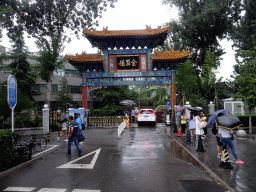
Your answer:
<point x="146" y="112"/>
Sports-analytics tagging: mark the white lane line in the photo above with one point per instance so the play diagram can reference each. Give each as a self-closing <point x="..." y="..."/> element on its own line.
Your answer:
<point x="53" y="146"/>
<point x="19" y="189"/>
<point x="52" y="190"/>
<point x="85" y="190"/>
<point x="82" y="166"/>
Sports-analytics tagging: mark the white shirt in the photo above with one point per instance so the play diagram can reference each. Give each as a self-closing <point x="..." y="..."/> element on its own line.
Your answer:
<point x="225" y="133"/>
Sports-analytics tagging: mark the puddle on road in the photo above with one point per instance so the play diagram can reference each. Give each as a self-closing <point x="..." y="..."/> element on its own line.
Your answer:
<point x="181" y="153"/>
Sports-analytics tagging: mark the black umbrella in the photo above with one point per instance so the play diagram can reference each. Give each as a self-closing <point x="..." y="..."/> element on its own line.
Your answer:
<point x="228" y="122"/>
<point x="195" y="109"/>
<point x="63" y="118"/>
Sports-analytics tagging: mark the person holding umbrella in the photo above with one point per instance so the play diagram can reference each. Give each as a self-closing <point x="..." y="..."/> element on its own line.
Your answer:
<point x="212" y="124"/>
<point x="225" y="124"/>
<point x="79" y="120"/>
<point x="225" y="138"/>
<point x="73" y="136"/>
<point x="64" y="129"/>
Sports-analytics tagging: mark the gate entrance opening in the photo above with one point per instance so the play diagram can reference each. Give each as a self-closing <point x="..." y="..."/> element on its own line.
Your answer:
<point x="126" y="57"/>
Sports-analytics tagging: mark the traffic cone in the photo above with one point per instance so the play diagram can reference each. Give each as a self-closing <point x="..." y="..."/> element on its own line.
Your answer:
<point x="225" y="164"/>
<point x="48" y="137"/>
<point x="179" y="133"/>
<point x="188" y="136"/>
<point x="200" y="147"/>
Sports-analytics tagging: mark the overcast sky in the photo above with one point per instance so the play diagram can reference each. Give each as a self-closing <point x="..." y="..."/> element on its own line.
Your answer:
<point x="134" y="14"/>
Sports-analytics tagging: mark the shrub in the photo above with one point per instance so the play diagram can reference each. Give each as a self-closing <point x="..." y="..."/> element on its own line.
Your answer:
<point x="7" y="153"/>
<point x="27" y="121"/>
<point x="245" y="120"/>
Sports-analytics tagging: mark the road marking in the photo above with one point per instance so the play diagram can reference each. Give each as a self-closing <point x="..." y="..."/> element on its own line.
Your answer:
<point x="52" y="190"/>
<point x="53" y="146"/>
<point x="47" y="189"/>
<point x="82" y="166"/>
<point x="19" y="189"/>
<point x="85" y="190"/>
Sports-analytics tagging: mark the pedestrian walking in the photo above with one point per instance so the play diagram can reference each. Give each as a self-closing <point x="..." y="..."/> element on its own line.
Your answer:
<point x="204" y="124"/>
<point x="192" y="125"/>
<point x="73" y="136"/>
<point x="64" y="129"/>
<point x="79" y="120"/>
<point x="203" y="119"/>
<point x="199" y="128"/>
<point x="133" y="115"/>
<point x="183" y="123"/>
<point x="215" y="130"/>
<point x="225" y="137"/>
<point x="219" y="142"/>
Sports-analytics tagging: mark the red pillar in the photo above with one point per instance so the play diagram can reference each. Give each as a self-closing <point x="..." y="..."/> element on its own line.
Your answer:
<point x="84" y="97"/>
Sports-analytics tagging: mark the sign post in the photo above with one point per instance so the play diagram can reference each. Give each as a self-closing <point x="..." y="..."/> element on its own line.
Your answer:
<point x="12" y="95"/>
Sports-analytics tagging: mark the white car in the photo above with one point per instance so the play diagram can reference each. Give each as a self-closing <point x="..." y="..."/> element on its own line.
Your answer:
<point x="146" y="116"/>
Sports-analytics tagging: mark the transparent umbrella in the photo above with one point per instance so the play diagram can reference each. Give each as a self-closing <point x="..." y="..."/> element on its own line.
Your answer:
<point x="128" y="102"/>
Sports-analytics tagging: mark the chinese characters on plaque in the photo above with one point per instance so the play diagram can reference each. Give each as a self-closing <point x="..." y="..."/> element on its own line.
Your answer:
<point x="128" y="62"/>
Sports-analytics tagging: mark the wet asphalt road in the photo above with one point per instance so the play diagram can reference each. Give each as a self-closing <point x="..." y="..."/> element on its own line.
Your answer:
<point x="145" y="159"/>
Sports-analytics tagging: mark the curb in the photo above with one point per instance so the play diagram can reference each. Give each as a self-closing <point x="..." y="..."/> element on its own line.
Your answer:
<point x="216" y="177"/>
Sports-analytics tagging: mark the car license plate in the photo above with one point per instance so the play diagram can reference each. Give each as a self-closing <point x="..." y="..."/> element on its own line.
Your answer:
<point x="145" y="116"/>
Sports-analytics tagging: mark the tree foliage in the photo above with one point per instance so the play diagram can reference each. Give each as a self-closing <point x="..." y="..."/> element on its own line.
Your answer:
<point x="201" y="25"/>
<point x="64" y="97"/>
<point x="208" y="77"/>
<point x="244" y="76"/>
<point x="187" y="84"/>
<point x="112" y="96"/>
<point x="244" y="30"/>
<point x="19" y="65"/>
<point x="48" y="22"/>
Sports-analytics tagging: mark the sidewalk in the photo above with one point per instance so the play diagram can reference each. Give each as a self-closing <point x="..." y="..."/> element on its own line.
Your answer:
<point x="242" y="177"/>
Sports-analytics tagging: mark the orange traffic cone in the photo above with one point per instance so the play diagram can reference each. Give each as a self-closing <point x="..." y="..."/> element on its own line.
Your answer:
<point x="179" y="133"/>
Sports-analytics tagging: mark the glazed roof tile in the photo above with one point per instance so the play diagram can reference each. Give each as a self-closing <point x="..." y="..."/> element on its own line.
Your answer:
<point x="157" y="56"/>
<point x="84" y="57"/>
<point x="126" y="33"/>
<point x="170" y="55"/>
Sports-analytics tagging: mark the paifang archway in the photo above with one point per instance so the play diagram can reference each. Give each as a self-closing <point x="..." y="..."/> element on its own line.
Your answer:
<point x="126" y="57"/>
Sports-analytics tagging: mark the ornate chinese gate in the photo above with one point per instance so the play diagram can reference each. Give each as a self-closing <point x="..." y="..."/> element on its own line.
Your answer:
<point x="127" y="58"/>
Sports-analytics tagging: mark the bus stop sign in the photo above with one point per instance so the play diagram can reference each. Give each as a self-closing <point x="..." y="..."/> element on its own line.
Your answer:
<point x="12" y="91"/>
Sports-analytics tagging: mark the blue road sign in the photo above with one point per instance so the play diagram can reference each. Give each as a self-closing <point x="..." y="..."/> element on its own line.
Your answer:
<point x="12" y="91"/>
<point x="168" y="103"/>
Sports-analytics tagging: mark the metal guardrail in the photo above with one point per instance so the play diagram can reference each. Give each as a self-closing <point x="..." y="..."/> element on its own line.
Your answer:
<point x="104" y="121"/>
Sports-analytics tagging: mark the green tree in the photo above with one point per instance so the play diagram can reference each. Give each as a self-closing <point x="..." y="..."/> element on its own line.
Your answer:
<point x="6" y="12"/>
<point x="112" y="96"/>
<point x="19" y="65"/>
<point x="64" y="95"/>
<point x="187" y="85"/>
<point x="243" y="86"/>
<point x="244" y="30"/>
<point x="48" y="22"/>
<point x="160" y="97"/>
<point x="201" y="25"/>
<point x="208" y="77"/>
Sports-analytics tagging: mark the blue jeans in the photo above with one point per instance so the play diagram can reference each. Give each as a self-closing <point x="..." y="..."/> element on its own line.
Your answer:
<point x="70" y="141"/>
<point x="228" y="141"/>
